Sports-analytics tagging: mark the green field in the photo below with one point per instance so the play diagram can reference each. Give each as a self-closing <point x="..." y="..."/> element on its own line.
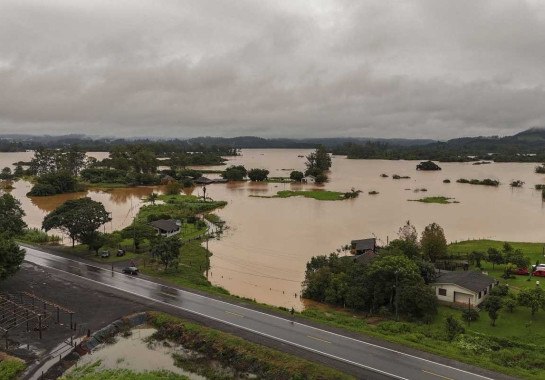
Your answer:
<point x="320" y="195"/>
<point x="534" y="251"/>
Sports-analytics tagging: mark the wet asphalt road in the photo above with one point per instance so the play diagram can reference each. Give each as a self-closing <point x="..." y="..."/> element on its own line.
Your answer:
<point x="377" y="361"/>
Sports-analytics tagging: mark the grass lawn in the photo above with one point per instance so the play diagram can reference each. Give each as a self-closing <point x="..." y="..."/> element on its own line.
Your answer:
<point x="534" y="251"/>
<point x="515" y="346"/>
<point x="10" y="367"/>
<point x="438" y="199"/>
<point x="194" y="260"/>
<point x="94" y="371"/>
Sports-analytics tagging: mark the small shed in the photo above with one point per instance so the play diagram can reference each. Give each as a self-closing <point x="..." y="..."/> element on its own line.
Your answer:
<point x="463" y="287"/>
<point x="166" y="227"/>
<point x="361" y="246"/>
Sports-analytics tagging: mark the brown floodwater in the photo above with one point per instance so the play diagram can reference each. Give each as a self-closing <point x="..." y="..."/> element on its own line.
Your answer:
<point x="263" y="253"/>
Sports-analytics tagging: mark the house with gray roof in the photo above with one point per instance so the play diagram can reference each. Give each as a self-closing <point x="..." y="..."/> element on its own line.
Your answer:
<point x="166" y="227"/>
<point x="463" y="287"/>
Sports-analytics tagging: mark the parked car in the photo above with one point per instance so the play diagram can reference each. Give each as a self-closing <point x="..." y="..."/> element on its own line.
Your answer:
<point x="538" y="267"/>
<point x="120" y="252"/>
<point x="104" y="254"/>
<point x="130" y="270"/>
<point x="522" y="271"/>
<point x="539" y="273"/>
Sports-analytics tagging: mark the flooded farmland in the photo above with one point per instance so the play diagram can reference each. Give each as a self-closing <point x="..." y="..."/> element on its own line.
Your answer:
<point x="263" y="253"/>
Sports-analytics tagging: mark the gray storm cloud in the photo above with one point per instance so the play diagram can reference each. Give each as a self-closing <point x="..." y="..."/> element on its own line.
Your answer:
<point x="290" y="68"/>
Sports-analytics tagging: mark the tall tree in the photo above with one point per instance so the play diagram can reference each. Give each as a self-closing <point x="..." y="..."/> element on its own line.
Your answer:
<point x="433" y="242"/>
<point x="11" y="220"/>
<point x="492" y="305"/>
<point x="318" y="161"/>
<point x="167" y="250"/>
<point x="11" y="257"/>
<point x="77" y="217"/>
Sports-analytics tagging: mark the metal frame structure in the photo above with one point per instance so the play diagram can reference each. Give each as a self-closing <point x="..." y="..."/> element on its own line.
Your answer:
<point x="27" y="308"/>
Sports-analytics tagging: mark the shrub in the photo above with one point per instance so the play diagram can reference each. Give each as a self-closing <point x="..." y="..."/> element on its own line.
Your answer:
<point x="470" y="315"/>
<point x="258" y="174"/>
<point x="297" y="175"/>
<point x="453" y="328"/>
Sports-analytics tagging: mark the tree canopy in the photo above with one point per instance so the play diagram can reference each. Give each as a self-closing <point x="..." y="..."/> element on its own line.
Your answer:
<point x="11" y="257"/>
<point x="433" y="242"/>
<point x="77" y="217"/>
<point x="11" y="222"/>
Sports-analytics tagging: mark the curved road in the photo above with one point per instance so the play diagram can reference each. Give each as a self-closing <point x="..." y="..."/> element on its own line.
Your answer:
<point x="383" y="362"/>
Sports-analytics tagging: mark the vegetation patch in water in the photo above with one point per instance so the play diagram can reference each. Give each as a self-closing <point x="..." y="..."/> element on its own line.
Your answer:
<point x="484" y="182"/>
<point x="437" y="199"/>
<point x="320" y="195"/>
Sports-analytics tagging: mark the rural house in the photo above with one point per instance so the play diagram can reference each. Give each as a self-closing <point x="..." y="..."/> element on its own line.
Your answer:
<point x="166" y="227"/>
<point x="463" y="287"/>
<point x="359" y="247"/>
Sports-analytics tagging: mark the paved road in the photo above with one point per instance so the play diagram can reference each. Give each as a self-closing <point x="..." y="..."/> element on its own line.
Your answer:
<point x="380" y="361"/>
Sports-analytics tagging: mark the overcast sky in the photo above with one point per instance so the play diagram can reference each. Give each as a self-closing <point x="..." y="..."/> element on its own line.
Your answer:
<point x="279" y="68"/>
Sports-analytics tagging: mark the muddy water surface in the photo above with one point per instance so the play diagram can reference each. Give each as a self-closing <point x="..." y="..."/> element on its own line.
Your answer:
<point x="263" y="253"/>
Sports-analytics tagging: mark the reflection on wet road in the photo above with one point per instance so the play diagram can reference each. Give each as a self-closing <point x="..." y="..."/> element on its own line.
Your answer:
<point x="379" y="361"/>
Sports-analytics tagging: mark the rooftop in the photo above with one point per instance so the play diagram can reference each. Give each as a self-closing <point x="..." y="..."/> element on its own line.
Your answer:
<point x="166" y="224"/>
<point x="470" y="280"/>
<point x="364" y="244"/>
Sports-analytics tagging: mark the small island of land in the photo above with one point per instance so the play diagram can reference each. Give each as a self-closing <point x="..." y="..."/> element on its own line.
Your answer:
<point x="428" y="165"/>
<point x="320" y="195"/>
<point x="437" y="199"/>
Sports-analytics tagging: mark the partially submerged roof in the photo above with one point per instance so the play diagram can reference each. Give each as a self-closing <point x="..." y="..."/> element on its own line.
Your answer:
<point x="166" y="224"/>
<point x="203" y="180"/>
<point x="470" y="280"/>
<point x="364" y="244"/>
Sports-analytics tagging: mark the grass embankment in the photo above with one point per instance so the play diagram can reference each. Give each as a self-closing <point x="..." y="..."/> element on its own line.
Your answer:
<point x="320" y="195"/>
<point x="534" y="251"/>
<point x="504" y="348"/>
<point x="236" y="353"/>
<point x="437" y="199"/>
<point x="178" y="207"/>
<point x="10" y="367"/>
<point x="93" y="371"/>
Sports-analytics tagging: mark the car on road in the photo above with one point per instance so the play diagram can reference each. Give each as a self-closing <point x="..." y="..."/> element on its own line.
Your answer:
<point x="104" y="254"/>
<point x="130" y="270"/>
<point x="521" y="271"/>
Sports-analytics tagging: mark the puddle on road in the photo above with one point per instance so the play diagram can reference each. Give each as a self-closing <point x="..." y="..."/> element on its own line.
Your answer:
<point x="135" y="353"/>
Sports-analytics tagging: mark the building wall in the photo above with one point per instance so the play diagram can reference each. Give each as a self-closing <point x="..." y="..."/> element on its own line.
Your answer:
<point x="464" y="294"/>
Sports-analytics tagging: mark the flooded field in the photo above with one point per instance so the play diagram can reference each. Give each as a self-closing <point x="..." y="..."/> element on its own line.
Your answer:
<point x="144" y="355"/>
<point x="263" y="253"/>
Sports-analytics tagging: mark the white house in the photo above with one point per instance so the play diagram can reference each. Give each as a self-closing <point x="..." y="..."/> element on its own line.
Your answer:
<point x="166" y="227"/>
<point x="309" y="179"/>
<point x="463" y="287"/>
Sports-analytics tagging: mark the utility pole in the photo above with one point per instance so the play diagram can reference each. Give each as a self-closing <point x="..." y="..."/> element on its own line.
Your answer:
<point x="397" y="296"/>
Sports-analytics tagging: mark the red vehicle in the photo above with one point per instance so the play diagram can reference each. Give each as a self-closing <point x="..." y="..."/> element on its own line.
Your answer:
<point x="539" y="273"/>
<point x="521" y="271"/>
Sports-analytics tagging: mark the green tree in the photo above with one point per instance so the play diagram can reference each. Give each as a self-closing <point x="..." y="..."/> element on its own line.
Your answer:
<point x="510" y="304"/>
<point x="321" y="178"/>
<point x="173" y="188"/>
<point x="532" y="298"/>
<point x="11" y="222"/>
<point x="138" y="232"/>
<point x="297" y="176"/>
<point x="453" y="328"/>
<point x="152" y="198"/>
<point x="492" y="305"/>
<point x="77" y="217"/>
<point x="475" y="257"/>
<point x="258" y="174"/>
<point x="94" y="240"/>
<point x="318" y="161"/>
<point x="11" y="257"/>
<point x="167" y="250"/>
<point x="235" y="173"/>
<point x="495" y="257"/>
<point x="433" y="242"/>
